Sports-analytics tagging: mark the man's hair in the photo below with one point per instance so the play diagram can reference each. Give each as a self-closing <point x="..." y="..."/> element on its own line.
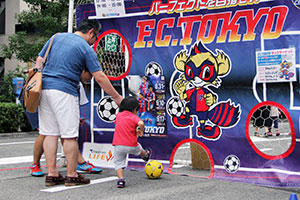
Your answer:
<point x="129" y="103"/>
<point x="87" y="24"/>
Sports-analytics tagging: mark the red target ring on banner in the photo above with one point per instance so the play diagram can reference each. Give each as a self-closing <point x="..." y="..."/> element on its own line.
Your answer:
<point x="268" y="140"/>
<point x="114" y="54"/>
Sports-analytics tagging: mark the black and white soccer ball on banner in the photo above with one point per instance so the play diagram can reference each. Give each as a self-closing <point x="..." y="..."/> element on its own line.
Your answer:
<point x="107" y="109"/>
<point x="153" y="69"/>
<point x="175" y="107"/>
<point x="231" y="163"/>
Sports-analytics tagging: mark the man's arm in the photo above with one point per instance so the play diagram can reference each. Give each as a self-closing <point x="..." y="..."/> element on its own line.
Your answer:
<point x="106" y="85"/>
<point x="39" y="62"/>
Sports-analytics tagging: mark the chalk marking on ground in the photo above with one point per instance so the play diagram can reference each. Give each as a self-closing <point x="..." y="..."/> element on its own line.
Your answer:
<point x="19" y="159"/>
<point x="15" y="143"/>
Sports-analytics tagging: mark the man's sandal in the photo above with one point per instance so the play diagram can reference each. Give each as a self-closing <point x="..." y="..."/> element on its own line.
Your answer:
<point x="80" y="180"/>
<point x="54" y="180"/>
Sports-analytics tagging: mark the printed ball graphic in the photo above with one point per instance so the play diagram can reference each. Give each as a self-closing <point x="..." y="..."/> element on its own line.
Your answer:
<point x="175" y="107"/>
<point x="231" y="163"/>
<point x="107" y="109"/>
<point x="153" y="69"/>
<point x="153" y="169"/>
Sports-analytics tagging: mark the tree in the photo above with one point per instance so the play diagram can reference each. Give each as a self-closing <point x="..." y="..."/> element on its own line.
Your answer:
<point x="24" y="48"/>
<point x="46" y="17"/>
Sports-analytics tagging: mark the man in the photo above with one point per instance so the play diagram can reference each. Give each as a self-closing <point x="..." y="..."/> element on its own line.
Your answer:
<point x="35" y="169"/>
<point x="69" y="56"/>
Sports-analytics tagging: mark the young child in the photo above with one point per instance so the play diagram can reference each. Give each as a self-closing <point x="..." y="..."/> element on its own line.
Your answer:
<point x="125" y="136"/>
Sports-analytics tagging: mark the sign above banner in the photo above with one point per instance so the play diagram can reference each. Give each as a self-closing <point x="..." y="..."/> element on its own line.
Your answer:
<point x="276" y="65"/>
<point x="109" y="8"/>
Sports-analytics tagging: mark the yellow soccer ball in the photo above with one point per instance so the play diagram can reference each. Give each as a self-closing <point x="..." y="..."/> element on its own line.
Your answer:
<point x="153" y="169"/>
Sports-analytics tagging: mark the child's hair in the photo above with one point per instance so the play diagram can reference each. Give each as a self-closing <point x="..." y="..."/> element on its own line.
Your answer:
<point x="130" y="104"/>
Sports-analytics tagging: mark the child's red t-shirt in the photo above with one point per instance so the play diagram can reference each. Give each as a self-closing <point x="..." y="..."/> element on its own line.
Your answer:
<point x="125" y="130"/>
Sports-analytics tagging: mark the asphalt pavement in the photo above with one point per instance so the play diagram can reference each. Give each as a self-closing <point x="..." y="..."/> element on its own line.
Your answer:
<point x="17" y="183"/>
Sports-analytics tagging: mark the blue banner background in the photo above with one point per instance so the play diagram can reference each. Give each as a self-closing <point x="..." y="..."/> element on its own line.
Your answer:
<point x="237" y="86"/>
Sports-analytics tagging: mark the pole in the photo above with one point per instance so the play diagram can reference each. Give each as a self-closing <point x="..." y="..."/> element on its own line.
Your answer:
<point x="70" y="19"/>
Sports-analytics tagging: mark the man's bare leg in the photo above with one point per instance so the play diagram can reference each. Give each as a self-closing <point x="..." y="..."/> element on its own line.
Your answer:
<point x="70" y="146"/>
<point x="50" y="150"/>
<point x="38" y="149"/>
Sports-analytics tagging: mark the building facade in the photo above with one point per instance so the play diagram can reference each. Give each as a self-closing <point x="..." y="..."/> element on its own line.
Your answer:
<point x="8" y="21"/>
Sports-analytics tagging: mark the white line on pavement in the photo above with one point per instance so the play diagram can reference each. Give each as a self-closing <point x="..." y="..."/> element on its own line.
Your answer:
<point x="19" y="159"/>
<point x="14" y="143"/>
<point x="16" y="160"/>
<point x="62" y="188"/>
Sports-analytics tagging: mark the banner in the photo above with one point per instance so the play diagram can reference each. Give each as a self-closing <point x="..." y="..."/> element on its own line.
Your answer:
<point x="230" y="71"/>
<point x="99" y="154"/>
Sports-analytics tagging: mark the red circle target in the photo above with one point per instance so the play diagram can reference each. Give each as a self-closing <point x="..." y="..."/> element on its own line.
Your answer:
<point x="114" y="54"/>
<point x="261" y="107"/>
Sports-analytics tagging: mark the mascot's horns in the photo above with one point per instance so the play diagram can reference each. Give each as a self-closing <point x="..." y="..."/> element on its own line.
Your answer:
<point x="198" y="48"/>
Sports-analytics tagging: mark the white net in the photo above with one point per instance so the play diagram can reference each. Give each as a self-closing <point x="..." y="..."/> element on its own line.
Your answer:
<point x="191" y="159"/>
<point x="270" y="130"/>
<point x="112" y="54"/>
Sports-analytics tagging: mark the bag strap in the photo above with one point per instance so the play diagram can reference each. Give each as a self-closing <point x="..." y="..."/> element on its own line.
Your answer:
<point x="36" y="69"/>
<point x="47" y="52"/>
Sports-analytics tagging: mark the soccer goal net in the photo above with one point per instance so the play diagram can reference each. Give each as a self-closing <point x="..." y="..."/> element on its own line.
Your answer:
<point x="191" y="159"/>
<point x="111" y="53"/>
